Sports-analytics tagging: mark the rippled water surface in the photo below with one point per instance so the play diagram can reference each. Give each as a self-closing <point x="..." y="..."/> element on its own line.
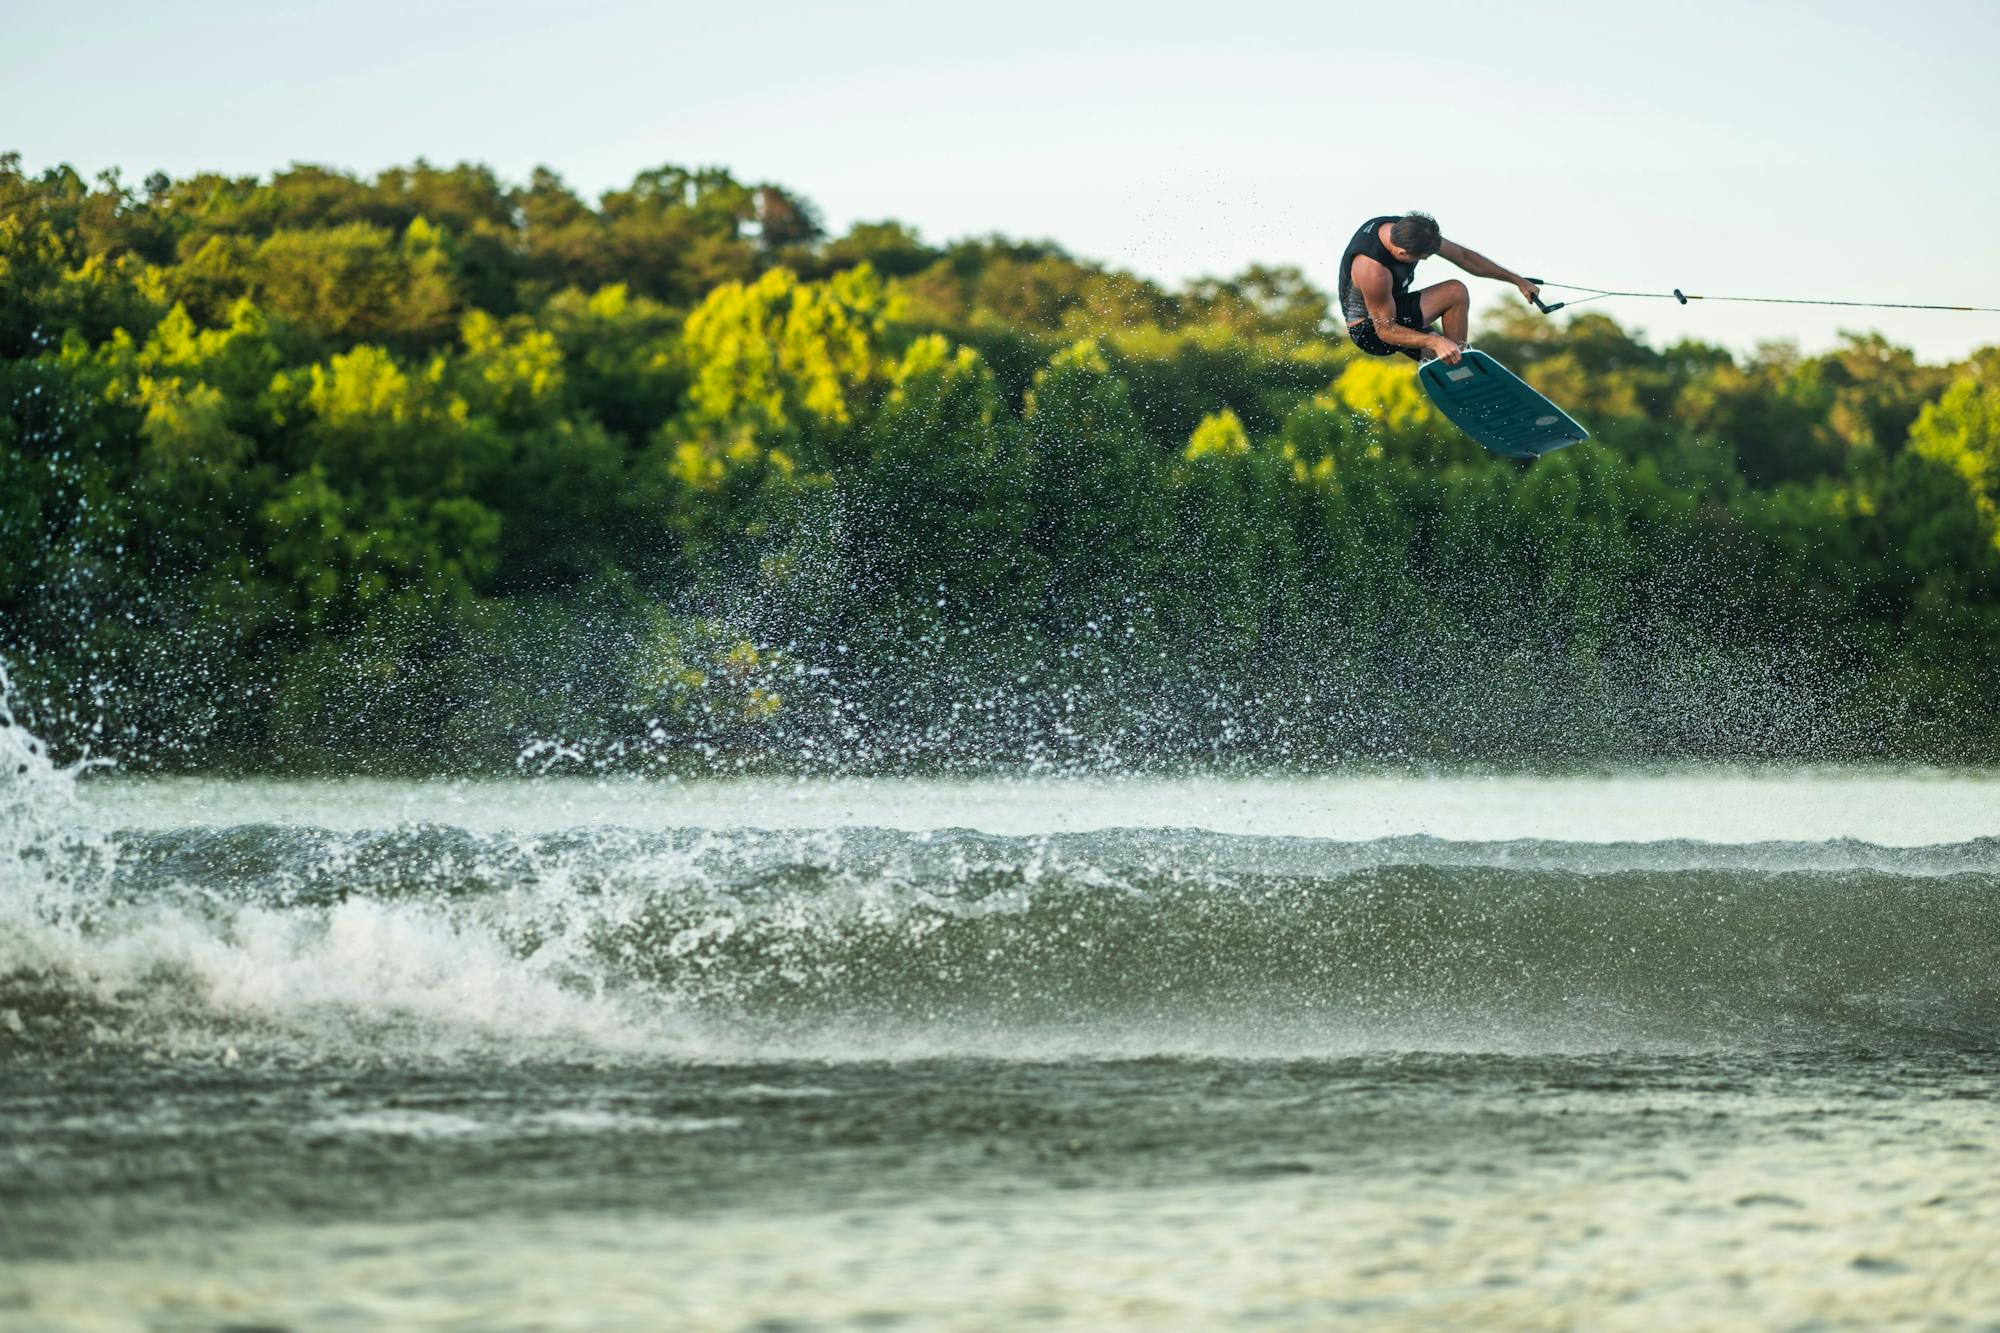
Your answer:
<point x="1702" y="1049"/>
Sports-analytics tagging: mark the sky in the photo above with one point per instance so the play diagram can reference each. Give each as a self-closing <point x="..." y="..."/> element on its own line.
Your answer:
<point x="1828" y="150"/>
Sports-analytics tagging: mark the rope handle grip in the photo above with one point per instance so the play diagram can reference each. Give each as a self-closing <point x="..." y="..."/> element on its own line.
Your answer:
<point x="1545" y="309"/>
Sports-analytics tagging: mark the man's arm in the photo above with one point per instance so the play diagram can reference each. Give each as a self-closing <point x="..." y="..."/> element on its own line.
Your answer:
<point x="1372" y="280"/>
<point x="1479" y="266"/>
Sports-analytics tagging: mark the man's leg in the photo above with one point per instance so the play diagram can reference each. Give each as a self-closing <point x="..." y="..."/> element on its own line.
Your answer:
<point x="1454" y="303"/>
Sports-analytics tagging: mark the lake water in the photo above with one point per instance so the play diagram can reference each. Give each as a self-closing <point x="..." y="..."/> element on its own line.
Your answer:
<point x="1692" y="1048"/>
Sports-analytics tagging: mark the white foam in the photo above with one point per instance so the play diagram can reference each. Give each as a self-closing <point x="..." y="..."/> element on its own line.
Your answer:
<point x="417" y="1123"/>
<point x="353" y="975"/>
<point x="398" y="1123"/>
<point x="1906" y="807"/>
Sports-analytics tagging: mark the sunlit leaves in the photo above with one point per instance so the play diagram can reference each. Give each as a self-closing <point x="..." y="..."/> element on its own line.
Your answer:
<point x="1387" y="391"/>
<point x="516" y="375"/>
<point x="1220" y="435"/>
<point x="780" y="353"/>
<point x="1961" y="431"/>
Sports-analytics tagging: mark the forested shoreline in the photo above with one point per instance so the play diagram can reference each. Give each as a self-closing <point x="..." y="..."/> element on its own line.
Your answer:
<point x="434" y="470"/>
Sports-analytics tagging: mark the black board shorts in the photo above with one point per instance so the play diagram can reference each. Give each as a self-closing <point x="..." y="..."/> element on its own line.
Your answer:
<point x="1409" y="314"/>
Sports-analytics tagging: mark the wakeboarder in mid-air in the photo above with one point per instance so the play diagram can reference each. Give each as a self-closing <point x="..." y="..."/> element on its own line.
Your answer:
<point x="1384" y="317"/>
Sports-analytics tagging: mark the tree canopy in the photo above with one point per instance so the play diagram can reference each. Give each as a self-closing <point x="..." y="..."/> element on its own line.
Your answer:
<point x="430" y="466"/>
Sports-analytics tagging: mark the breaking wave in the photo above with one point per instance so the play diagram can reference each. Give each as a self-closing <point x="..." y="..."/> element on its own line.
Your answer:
<point x="726" y="943"/>
<point x="872" y="943"/>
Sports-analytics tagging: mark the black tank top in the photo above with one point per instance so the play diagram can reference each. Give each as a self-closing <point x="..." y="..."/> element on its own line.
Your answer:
<point x="1353" y="308"/>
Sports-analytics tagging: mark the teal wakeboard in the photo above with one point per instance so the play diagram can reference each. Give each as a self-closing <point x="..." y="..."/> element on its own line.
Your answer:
<point x="1495" y="407"/>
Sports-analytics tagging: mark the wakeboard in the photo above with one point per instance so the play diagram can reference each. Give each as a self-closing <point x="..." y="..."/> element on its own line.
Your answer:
<point x="1496" y="407"/>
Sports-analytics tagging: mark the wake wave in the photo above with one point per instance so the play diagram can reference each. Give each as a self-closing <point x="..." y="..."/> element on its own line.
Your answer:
<point x="865" y="943"/>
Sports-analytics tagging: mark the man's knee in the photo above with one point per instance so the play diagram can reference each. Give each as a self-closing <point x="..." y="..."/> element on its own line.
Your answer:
<point x="1445" y="298"/>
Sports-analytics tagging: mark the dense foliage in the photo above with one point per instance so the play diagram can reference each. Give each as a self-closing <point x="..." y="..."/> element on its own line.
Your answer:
<point x="433" y="467"/>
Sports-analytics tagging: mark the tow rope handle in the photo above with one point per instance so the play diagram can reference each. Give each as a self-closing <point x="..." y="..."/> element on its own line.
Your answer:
<point x="1551" y="309"/>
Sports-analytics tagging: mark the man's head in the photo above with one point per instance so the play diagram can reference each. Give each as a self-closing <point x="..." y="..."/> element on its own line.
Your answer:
<point x="1414" y="236"/>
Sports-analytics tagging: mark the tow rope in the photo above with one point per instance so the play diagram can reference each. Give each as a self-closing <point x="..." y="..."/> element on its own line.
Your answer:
<point x="1598" y="294"/>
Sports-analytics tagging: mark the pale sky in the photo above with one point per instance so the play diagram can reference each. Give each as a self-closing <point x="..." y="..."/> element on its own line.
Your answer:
<point x="1834" y="150"/>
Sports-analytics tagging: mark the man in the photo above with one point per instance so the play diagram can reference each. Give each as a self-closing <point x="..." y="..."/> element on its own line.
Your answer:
<point x="1384" y="317"/>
